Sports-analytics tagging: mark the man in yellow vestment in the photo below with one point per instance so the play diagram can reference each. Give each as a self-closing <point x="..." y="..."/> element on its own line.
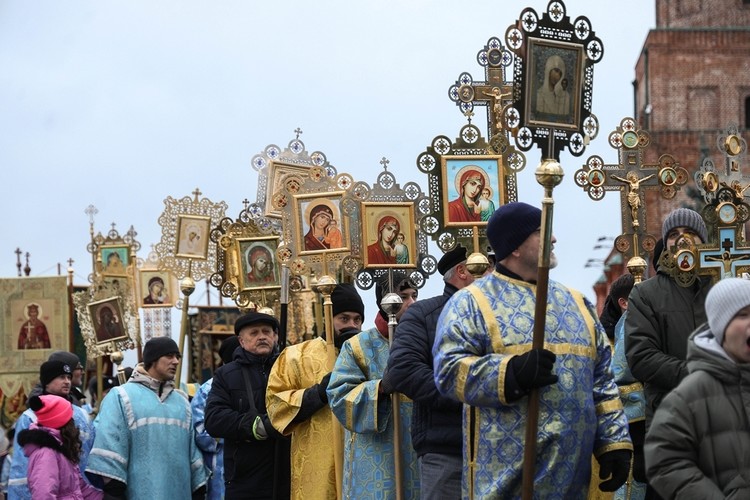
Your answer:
<point x="297" y="403"/>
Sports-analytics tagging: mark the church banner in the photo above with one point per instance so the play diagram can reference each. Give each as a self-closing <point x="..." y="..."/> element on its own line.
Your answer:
<point x="35" y="322"/>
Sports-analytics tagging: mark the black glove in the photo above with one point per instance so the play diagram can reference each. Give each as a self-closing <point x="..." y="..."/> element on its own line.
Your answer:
<point x="617" y="464"/>
<point x="638" y="435"/>
<point x="200" y="493"/>
<point x="534" y="369"/>
<point x="322" y="386"/>
<point x="114" y="490"/>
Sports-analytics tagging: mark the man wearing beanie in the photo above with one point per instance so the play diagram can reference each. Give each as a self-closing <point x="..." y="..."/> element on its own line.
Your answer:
<point x="211" y="447"/>
<point x="483" y="357"/>
<point x="363" y="406"/>
<point x="297" y="402"/>
<point x="661" y="315"/>
<point x="436" y="419"/>
<point x="256" y="456"/>
<point x="145" y="445"/>
<point x="55" y="379"/>
<point x="698" y="444"/>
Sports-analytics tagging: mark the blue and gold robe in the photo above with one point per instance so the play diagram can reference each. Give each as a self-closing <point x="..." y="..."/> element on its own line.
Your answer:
<point x="480" y="329"/>
<point x="368" y="436"/>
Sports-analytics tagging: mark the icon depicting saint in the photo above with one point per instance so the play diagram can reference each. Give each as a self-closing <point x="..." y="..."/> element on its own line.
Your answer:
<point x="109" y="324"/>
<point x="470" y="182"/>
<point x="553" y="96"/>
<point x="259" y="265"/>
<point x="324" y="232"/>
<point x="33" y="334"/>
<point x="157" y="292"/>
<point x="383" y="251"/>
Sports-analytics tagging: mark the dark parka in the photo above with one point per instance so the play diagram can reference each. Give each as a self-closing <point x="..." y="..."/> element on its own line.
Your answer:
<point x="661" y="316"/>
<point x="249" y="463"/>
<point x="436" y="419"/>
<point x="698" y="445"/>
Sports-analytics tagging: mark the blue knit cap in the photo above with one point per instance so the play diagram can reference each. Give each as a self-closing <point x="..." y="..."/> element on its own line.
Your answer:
<point x="510" y="225"/>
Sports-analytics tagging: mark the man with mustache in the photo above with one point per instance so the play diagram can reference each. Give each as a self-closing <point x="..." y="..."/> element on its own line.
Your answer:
<point x="256" y="456"/>
<point x="145" y="442"/>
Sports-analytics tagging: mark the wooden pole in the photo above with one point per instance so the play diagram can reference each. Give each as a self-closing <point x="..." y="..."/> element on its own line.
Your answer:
<point x="549" y="174"/>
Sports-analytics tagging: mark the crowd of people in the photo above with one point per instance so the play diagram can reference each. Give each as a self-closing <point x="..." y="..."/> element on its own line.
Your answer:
<point x="648" y="401"/>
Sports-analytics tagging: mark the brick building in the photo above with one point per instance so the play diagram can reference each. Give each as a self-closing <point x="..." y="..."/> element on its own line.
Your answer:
<point x="692" y="80"/>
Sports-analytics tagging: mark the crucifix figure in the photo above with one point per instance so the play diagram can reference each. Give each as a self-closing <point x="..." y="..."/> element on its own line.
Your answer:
<point x="725" y="260"/>
<point x="634" y="194"/>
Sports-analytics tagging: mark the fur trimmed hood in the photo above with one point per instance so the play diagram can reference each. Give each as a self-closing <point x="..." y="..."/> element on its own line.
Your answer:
<point x="39" y="437"/>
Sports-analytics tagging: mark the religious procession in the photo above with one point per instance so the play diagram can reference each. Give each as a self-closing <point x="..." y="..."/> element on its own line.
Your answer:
<point x="506" y="385"/>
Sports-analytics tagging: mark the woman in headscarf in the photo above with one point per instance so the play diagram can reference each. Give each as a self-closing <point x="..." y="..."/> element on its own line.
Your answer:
<point x="465" y="208"/>
<point x="383" y="251"/>
<point x="320" y="217"/>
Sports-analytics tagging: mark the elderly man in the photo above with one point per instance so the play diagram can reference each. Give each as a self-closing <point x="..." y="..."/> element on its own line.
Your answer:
<point x="55" y="378"/>
<point x="436" y="419"/>
<point x="298" y="404"/>
<point x="364" y="408"/>
<point x="483" y="357"/>
<point x="145" y="443"/>
<point x="256" y="456"/>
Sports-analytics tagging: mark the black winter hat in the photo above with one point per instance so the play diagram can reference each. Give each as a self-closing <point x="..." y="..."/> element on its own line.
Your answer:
<point x="254" y="317"/>
<point x="158" y="347"/>
<point x="66" y="357"/>
<point x="510" y="225"/>
<point x="346" y="299"/>
<point x="451" y="259"/>
<point x="50" y="370"/>
<point x="227" y="348"/>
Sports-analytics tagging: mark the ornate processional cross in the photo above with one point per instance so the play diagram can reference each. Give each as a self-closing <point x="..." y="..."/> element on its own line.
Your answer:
<point x="631" y="176"/>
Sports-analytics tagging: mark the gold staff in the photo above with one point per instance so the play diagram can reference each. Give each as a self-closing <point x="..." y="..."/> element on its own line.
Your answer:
<point x="549" y="174"/>
<point x="187" y="286"/>
<point x="325" y="287"/>
<point x="391" y="304"/>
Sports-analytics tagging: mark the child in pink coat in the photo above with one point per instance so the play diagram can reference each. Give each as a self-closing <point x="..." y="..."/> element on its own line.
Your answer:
<point x="53" y="446"/>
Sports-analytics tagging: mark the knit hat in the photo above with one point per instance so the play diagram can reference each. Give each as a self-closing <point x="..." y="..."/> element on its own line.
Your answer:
<point x="451" y="259"/>
<point x="253" y="318"/>
<point x="227" y="348"/>
<point x="158" y="347"/>
<point x="50" y="370"/>
<point x="346" y="299"/>
<point x="51" y="411"/>
<point x="724" y="301"/>
<point x="66" y="357"/>
<point x="684" y="217"/>
<point x="510" y="225"/>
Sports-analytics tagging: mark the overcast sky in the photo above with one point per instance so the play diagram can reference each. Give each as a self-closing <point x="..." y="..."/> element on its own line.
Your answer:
<point x="120" y="104"/>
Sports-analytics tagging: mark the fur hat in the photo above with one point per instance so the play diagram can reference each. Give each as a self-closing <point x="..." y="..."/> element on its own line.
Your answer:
<point x="684" y="217"/>
<point x="510" y="225"/>
<point x="254" y="317"/>
<point x="50" y="370"/>
<point x="51" y="411"/>
<point x="158" y="347"/>
<point x="451" y="259"/>
<point x="346" y="299"/>
<point x="724" y="301"/>
<point x="66" y="357"/>
<point x="227" y="348"/>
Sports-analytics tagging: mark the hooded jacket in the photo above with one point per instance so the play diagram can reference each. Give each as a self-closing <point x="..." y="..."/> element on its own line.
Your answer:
<point x="50" y="473"/>
<point x="698" y="445"/>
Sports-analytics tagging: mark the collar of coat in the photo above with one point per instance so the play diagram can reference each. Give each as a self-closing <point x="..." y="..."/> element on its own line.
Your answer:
<point x="141" y="376"/>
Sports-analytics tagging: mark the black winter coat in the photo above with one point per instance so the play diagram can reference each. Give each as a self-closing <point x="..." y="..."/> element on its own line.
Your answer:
<point x="661" y="316"/>
<point x="436" y="419"/>
<point x="249" y="463"/>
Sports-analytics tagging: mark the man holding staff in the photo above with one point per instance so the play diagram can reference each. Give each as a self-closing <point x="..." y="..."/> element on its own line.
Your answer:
<point x="483" y="357"/>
